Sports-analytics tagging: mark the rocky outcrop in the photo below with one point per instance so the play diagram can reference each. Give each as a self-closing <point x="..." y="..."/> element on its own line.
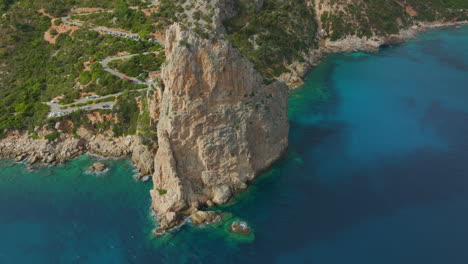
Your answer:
<point x="220" y="125"/>
<point x="97" y="167"/>
<point x="240" y="228"/>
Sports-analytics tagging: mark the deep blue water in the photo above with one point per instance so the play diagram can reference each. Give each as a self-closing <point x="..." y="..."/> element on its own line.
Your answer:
<point x="377" y="172"/>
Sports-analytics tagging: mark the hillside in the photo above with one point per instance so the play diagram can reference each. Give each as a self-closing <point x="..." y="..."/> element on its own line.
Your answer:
<point x="272" y="33"/>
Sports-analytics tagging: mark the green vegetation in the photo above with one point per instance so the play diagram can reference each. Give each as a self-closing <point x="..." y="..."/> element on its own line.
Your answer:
<point x="162" y="191"/>
<point x="139" y="66"/>
<point x="380" y="19"/>
<point x="384" y="17"/>
<point x="34" y="135"/>
<point x="273" y="36"/>
<point x="168" y="12"/>
<point x="431" y="10"/>
<point x="127" y="112"/>
<point x="147" y="130"/>
<point x="52" y="136"/>
<point x="34" y="71"/>
<point x="185" y="13"/>
<point x="78" y="118"/>
<point x="4" y="4"/>
<point x="122" y="17"/>
<point x="104" y="83"/>
<point x="85" y="77"/>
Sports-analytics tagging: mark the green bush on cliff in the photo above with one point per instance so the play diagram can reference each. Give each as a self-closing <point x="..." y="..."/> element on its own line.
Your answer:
<point x="162" y="191"/>
<point x="52" y="136"/>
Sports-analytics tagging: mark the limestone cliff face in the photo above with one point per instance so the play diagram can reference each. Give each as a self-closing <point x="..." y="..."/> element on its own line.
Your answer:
<point x="219" y="125"/>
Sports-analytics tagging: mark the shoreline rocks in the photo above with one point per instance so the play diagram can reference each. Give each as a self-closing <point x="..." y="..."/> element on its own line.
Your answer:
<point x="22" y="148"/>
<point x="298" y="70"/>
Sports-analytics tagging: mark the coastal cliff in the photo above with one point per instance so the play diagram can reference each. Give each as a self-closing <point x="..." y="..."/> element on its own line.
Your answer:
<point x="220" y="125"/>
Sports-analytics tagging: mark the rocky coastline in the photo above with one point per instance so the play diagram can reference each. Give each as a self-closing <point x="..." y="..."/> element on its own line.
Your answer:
<point x="21" y="147"/>
<point x="298" y="70"/>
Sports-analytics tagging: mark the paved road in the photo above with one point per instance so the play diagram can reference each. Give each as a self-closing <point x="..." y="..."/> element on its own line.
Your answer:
<point x="55" y="108"/>
<point x="105" y="30"/>
<point x="105" y="66"/>
<point x="154" y="2"/>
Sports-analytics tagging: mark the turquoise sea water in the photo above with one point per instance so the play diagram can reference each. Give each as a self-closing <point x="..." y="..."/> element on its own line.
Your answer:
<point x="376" y="172"/>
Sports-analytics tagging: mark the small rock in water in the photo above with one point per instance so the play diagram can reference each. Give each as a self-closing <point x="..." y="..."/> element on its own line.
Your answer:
<point x="97" y="167"/>
<point x="240" y="227"/>
<point x="29" y="168"/>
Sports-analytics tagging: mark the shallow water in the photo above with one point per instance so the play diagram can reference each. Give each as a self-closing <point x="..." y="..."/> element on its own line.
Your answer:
<point x="376" y="172"/>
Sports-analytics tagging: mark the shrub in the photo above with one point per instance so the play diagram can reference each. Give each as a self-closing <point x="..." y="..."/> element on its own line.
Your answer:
<point x="162" y="191"/>
<point x="52" y="136"/>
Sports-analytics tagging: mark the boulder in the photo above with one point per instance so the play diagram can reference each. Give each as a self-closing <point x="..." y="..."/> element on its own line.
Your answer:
<point x="97" y="167"/>
<point x="20" y="158"/>
<point x="205" y="217"/>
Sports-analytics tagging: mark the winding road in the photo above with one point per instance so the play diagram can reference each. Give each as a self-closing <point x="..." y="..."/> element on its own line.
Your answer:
<point x="57" y="110"/>
<point x="104" y="30"/>
<point x="105" y="66"/>
<point x="109" y="31"/>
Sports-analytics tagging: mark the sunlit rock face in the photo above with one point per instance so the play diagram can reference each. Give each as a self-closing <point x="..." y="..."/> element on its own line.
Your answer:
<point x="220" y="125"/>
